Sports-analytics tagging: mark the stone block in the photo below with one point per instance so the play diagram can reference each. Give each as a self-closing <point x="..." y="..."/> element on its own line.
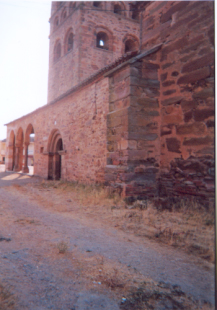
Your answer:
<point x="142" y="136"/>
<point x="188" y="116"/>
<point x="175" y="8"/>
<point x="113" y="121"/>
<point x="149" y="74"/>
<point x="169" y="92"/>
<point x="137" y="154"/>
<point x="132" y="144"/>
<point x="135" y="71"/>
<point x="121" y="75"/>
<point x="165" y="130"/>
<point x="211" y="35"/>
<point x="198" y="63"/>
<point x="147" y="102"/>
<point x="163" y="77"/>
<point x="173" y="145"/>
<point x="141" y="144"/>
<point x="188" y="105"/>
<point x="173" y="100"/>
<point x="204" y="93"/>
<point x="144" y="82"/>
<point x="172" y="119"/>
<point x="192" y="47"/>
<point x="177" y="45"/>
<point x="168" y="83"/>
<point x="181" y="23"/>
<point x="202" y="114"/>
<point x="210" y="123"/>
<point x="195" y="128"/>
<point x="187" y="57"/>
<point x="150" y="66"/>
<point x="194" y="76"/>
<point x="167" y="65"/>
<point x="198" y="141"/>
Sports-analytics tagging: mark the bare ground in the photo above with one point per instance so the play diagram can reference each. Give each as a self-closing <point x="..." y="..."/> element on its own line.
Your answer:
<point x="64" y="246"/>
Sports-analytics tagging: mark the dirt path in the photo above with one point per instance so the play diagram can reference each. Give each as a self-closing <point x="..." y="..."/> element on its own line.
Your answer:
<point x="80" y="278"/>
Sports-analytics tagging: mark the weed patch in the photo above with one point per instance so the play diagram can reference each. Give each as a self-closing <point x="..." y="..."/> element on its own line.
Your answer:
<point x="62" y="247"/>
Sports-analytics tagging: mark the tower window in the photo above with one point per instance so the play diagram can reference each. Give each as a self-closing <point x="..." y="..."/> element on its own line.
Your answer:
<point x="117" y="9"/>
<point x="64" y="14"/>
<point x="69" y="42"/>
<point x="102" y="40"/>
<point x="56" y="22"/>
<point x="57" y="51"/>
<point x="130" y="46"/>
<point x="72" y="5"/>
<point x="97" y="4"/>
<point x="135" y="15"/>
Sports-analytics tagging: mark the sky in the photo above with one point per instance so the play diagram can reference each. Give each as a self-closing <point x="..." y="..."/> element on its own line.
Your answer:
<point x="24" y="52"/>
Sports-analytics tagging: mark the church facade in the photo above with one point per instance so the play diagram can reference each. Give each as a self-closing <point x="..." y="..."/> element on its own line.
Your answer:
<point x="130" y="99"/>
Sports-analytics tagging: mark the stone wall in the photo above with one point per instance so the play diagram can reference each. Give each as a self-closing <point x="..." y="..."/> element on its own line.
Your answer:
<point x="186" y="74"/>
<point x="81" y="121"/>
<point x="134" y="129"/>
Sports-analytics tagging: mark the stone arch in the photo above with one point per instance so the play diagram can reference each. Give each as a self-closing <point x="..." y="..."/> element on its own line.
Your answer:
<point x="57" y="50"/>
<point x="63" y="14"/>
<point x="55" y="148"/>
<point x="28" y="149"/>
<point x="130" y="43"/>
<point x="68" y="42"/>
<point x="72" y="6"/>
<point x="19" y="150"/>
<point x="119" y="8"/>
<point x="103" y="38"/>
<point x="11" y="152"/>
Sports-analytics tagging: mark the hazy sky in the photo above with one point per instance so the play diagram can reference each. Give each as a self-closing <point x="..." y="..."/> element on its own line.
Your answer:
<point x="24" y="47"/>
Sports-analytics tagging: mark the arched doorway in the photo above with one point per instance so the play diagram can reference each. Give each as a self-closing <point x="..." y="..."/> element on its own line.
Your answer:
<point x="28" y="166"/>
<point x="55" y="148"/>
<point x="11" y="152"/>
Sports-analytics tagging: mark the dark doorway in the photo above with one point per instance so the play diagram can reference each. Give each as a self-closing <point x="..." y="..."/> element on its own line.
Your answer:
<point x="59" y="147"/>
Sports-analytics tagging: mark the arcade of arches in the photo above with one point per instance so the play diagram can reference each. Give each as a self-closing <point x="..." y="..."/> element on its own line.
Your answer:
<point x="19" y="154"/>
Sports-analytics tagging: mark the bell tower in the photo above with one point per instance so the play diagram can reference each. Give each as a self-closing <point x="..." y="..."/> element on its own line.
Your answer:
<point x="84" y="38"/>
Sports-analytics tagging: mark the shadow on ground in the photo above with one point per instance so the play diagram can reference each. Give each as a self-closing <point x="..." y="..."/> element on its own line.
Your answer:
<point x="8" y="178"/>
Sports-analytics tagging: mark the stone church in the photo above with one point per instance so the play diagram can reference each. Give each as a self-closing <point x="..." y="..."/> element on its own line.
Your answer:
<point x="130" y="99"/>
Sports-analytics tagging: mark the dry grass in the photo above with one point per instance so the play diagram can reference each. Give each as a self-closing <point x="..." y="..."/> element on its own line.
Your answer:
<point x="184" y="224"/>
<point x="62" y="247"/>
<point x="7" y="298"/>
<point x="136" y="291"/>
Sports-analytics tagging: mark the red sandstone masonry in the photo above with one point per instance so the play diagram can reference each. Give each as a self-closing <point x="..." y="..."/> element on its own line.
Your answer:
<point x="148" y="128"/>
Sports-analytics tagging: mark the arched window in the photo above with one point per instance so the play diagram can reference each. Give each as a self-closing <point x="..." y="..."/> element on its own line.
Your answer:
<point x="64" y="14"/>
<point x="56" y="22"/>
<point x="68" y="41"/>
<point x="57" y="50"/>
<point x="130" y="46"/>
<point x="130" y="43"/>
<point x="117" y="9"/>
<point x="102" y="40"/>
